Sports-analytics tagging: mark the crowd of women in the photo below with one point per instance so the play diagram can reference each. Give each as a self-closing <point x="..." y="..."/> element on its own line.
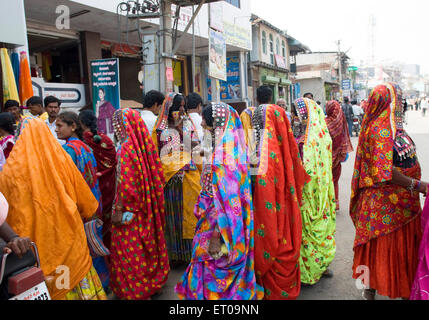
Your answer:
<point x="248" y="205"/>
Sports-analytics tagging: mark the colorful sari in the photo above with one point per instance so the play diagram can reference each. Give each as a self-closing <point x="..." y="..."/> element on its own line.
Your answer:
<point x="341" y="144"/>
<point x="105" y="156"/>
<point x="139" y="257"/>
<point x="48" y="199"/>
<point x="84" y="159"/>
<point x="277" y="194"/>
<point x="225" y="206"/>
<point x="182" y="184"/>
<point x="386" y="215"/>
<point x="318" y="207"/>
<point x="420" y="290"/>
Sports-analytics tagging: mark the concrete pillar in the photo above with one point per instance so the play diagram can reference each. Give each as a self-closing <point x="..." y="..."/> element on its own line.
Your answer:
<point x="91" y="50"/>
<point x="166" y="46"/>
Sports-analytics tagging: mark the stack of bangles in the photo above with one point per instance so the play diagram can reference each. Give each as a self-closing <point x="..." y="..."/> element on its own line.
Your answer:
<point x="415" y="185"/>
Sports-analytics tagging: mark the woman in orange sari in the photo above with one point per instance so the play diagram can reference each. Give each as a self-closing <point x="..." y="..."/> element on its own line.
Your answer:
<point x="341" y="144"/>
<point x="278" y="180"/>
<point x="385" y="201"/>
<point x="48" y="199"/>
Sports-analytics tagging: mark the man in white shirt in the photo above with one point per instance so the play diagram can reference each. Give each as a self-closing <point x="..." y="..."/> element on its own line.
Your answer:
<point x="152" y="104"/>
<point x="357" y="110"/>
<point x="194" y="108"/>
<point x="53" y="108"/>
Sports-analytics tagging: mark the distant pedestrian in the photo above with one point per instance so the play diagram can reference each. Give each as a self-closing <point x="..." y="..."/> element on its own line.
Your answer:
<point x="424" y="106"/>
<point x="348" y="112"/>
<point x="282" y="103"/>
<point x="309" y="95"/>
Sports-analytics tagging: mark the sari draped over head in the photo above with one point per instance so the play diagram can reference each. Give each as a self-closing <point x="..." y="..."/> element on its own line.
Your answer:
<point x="277" y="195"/>
<point x="139" y="259"/>
<point x="176" y="157"/>
<point x="105" y="156"/>
<point x="339" y="131"/>
<point x="377" y="206"/>
<point x="224" y="206"/>
<point x="48" y="199"/>
<point x="318" y="205"/>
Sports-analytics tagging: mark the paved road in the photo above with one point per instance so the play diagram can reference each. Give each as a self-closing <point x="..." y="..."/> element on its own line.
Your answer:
<point x="342" y="286"/>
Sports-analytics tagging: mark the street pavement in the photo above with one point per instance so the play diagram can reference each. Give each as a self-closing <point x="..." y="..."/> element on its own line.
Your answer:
<point x="342" y="286"/>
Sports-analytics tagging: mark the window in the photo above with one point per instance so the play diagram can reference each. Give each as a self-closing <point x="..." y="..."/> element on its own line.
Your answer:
<point x="271" y="49"/>
<point x="235" y="3"/>
<point x="278" y="46"/>
<point x="283" y="50"/>
<point x="264" y="42"/>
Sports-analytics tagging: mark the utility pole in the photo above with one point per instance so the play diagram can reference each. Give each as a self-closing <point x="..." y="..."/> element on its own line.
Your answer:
<point x="166" y="46"/>
<point x="340" y="63"/>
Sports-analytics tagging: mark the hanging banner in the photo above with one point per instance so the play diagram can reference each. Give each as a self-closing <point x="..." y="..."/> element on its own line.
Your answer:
<point x="216" y="16"/>
<point x="105" y="92"/>
<point x="230" y="89"/>
<point x="217" y="55"/>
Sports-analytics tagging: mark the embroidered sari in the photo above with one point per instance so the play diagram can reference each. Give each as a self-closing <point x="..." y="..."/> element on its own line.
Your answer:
<point x="225" y="206"/>
<point x="48" y="198"/>
<point x="278" y="183"/>
<point x="182" y="183"/>
<point x="386" y="216"/>
<point x="318" y="205"/>
<point x="341" y="144"/>
<point x="139" y="257"/>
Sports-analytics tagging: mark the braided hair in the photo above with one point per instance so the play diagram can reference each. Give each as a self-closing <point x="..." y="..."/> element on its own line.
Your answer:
<point x="89" y="120"/>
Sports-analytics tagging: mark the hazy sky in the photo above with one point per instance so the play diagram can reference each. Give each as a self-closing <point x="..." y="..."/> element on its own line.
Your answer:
<point x="402" y="30"/>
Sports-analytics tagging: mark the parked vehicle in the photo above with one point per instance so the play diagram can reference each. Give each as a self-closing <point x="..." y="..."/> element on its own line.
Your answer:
<point x="20" y="279"/>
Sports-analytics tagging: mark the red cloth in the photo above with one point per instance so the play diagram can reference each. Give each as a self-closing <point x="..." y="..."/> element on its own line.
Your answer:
<point x="277" y="199"/>
<point x="139" y="258"/>
<point x="339" y="131"/>
<point x="105" y="155"/>
<point x="392" y="261"/>
<point x="378" y="207"/>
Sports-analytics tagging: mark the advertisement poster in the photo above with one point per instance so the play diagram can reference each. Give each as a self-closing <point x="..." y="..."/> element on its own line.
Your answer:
<point x="216" y="16"/>
<point x="217" y="55"/>
<point x="198" y="87"/>
<point x="230" y="89"/>
<point x="105" y="92"/>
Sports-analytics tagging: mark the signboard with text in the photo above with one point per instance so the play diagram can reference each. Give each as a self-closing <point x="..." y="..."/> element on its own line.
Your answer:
<point x="230" y="89"/>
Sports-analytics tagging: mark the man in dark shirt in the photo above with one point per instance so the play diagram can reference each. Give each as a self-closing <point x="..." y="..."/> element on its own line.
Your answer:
<point x="348" y="112"/>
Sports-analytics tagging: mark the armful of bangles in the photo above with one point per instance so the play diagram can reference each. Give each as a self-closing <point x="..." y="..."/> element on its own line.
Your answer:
<point x="413" y="185"/>
<point x="15" y="243"/>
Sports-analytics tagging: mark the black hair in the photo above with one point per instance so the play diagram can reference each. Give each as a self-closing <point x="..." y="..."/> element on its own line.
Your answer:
<point x="354" y="102"/>
<point x="88" y="119"/>
<point x="153" y="97"/>
<point x="69" y="118"/>
<point x="176" y="104"/>
<point x="309" y="94"/>
<point x="264" y="94"/>
<point x="51" y="99"/>
<point x="7" y="123"/>
<point x="208" y="115"/>
<point x="104" y="91"/>
<point x="194" y="100"/>
<point x="293" y="108"/>
<point x="33" y="101"/>
<point x="10" y="104"/>
<point x="318" y="102"/>
<point x="346" y="100"/>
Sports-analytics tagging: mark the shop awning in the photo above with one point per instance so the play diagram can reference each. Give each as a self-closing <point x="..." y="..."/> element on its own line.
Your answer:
<point x="270" y="79"/>
<point x="286" y="82"/>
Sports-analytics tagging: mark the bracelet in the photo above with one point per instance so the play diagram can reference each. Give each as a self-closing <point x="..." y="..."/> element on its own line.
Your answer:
<point x="418" y="185"/>
<point x="411" y="188"/>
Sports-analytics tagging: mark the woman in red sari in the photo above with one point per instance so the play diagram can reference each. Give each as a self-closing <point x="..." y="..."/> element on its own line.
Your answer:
<point x="278" y="182"/>
<point x="341" y="144"/>
<point x="385" y="201"/>
<point x="139" y="257"/>
<point x="105" y="155"/>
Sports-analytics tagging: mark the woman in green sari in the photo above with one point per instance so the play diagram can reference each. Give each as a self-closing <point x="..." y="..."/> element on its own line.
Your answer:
<point x="319" y="203"/>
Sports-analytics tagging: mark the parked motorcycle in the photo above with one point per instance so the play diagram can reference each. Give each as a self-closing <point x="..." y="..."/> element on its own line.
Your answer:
<point x="20" y="279"/>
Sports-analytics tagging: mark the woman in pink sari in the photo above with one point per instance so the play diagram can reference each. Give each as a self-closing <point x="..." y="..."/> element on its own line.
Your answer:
<point x="420" y="290"/>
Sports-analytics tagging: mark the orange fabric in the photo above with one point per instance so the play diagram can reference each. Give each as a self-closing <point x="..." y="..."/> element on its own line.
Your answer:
<point x="25" y="85"/>
<point x="277" y="196"/>
<point x="392" y="260"/>
<point x="48" y="198"/>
